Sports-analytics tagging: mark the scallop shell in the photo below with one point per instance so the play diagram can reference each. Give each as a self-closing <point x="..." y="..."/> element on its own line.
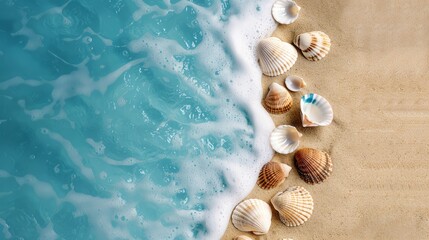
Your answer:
<point x="295" y="83"/>
<point x="315" y="111"/>
<point x="314" y="45"/>
<point x="295" y="205"/>
<point x="285" y="139"/>
<point x="278" y="99"/>
<point x="313" y="166"/>
<point x="275" y="56"/>
<point x="252" y="215"/>
<point x="242" y="237"/>
<point x="273" y="174"/>
<point x="285" y="11"/>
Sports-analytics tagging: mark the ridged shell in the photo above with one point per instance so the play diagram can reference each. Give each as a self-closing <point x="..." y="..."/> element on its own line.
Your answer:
<point x="278" y="99"/>
<point x="314" y="45"/>
<point x="285" y="139"/>
<point x="285" y="11"/>
<point x="315" y="111"/>
<point x="242" y="237"/>
<point x="295" y="205"/>
<point x="273" y="174"/>
<point x="252" y="215"/>
<point x="313" y="166"/>
<point x="275" y="56"/>
<point x="295" y="83"/>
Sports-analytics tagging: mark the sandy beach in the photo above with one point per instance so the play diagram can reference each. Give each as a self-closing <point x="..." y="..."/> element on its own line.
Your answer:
<point x="376" y="79"/>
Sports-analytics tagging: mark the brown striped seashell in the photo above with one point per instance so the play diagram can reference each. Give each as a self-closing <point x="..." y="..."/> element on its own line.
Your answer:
<point x="276" y="56"/>
<point x="273" y="174"/>
<point x="313" y="166"/>
<point x="242" y="237"/>
<point x="252" y="215"/>
<point x="314" y="45"/>
<point x="295" y="205"/>
<point x="278" y="99"/>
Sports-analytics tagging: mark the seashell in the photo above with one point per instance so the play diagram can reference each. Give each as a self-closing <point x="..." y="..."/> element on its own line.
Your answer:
<point x="273" y="174"/>
<point x="252" y="215"/>
<point x="315" y="111"/>
<point x="275" y="56"/>
<point x="242" y="237"/>
<point x="313" y="166"/>
<point x="314" y="45"/>
<point x="285" y="11"/>
<point x="295" y="83"/>
<point x="285" y="139"/>
<point x="295" y="205"/>
<point x="278" y="99"/>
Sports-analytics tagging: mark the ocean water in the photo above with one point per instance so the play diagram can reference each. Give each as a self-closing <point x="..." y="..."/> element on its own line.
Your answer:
<point x="129" y="119"/>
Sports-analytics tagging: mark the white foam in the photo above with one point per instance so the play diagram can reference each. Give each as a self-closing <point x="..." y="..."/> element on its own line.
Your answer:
<point x="243" y="32"/>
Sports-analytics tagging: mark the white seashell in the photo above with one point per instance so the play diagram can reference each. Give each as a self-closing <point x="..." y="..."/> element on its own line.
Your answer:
<point x="285" y="11"/>
<point x="315" y="111"/>
<point x="278" y="99"/>
<point x="295" y="205"/>
<point x="285" y="139"/>
<point x="252" y="215"/>
<point x="314" y="45"/>
<point x="295" y="83"/>
<point x="242" y="237"/>
<point x="275" y="56"/>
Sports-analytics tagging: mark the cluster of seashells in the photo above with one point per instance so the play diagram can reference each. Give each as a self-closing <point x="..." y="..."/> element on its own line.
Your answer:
<point x="295" y="204"/>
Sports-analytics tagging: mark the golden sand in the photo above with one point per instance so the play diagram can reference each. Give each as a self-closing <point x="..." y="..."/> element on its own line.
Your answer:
<point x="376" y="78"/>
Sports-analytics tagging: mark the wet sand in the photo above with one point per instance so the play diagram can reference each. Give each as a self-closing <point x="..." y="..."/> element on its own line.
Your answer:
<point x="376" y="78"/>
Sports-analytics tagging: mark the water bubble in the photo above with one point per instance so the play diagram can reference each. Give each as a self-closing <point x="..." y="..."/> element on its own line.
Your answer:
<point x="32" y="156"/>
<point x="103" y="175"/>
<point x="57" y="169"/>
<point x="121" y="101"/>
<point x="87" y="40"/>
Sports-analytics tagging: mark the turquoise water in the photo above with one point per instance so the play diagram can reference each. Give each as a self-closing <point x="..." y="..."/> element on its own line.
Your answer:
<point x="118" y="119"/>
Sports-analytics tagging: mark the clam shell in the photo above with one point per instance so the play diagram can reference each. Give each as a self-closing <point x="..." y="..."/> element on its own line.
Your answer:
<point x="285" y="11"/>
<point x="285" y="139"/>
<point x="275" y="56"/>
<point x="278" y="99"/>
<point x="315" y="111"/>
<point x="314" y="45"/>
<point x="295" y="83"/>
<point x="295" y="205"/>
<point x="242" y="237"/>
<point x="313" y="166"/>
<point x="252" y="215"/>
<point x="273" y="174"/>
